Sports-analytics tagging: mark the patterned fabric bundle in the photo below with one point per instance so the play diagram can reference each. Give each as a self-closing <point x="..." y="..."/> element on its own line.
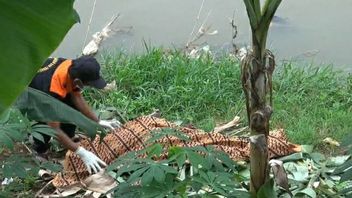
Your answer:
<point x="133" y="135"/>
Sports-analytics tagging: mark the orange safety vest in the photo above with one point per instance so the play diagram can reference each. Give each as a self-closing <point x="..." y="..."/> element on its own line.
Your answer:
<point x="61" y="83"/>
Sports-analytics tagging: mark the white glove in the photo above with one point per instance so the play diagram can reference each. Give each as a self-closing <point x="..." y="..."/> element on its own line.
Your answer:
<point x="90" y="160"/>
<point x="111" y="124"/>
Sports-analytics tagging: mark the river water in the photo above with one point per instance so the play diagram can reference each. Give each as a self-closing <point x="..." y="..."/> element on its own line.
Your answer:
<point x="318" y="31"/>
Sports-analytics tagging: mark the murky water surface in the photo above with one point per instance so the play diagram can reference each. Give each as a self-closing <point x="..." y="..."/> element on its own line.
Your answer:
<point x="308" y="30"/>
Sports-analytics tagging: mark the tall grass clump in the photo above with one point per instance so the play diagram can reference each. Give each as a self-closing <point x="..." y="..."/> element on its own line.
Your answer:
<point x="313" y="103"/>
<point x="198" y="91"/>
<point x="310" y="102"/>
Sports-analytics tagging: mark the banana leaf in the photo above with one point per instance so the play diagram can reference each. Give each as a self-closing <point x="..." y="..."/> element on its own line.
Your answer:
<point x="42" y="107"/>
<point x="30" y="31"/>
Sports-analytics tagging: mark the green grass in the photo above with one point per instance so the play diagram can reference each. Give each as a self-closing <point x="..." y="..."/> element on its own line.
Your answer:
<point x="309" y="103"/>
<point x="312" y="103"/>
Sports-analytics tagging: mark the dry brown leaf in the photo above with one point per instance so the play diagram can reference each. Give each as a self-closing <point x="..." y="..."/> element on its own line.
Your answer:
<point x="69" y="191"/>
<point x="96" y="185"/>
<point x="91" y="194"/>
<point x="280" y="175"/>
<point x="100" y="182"/>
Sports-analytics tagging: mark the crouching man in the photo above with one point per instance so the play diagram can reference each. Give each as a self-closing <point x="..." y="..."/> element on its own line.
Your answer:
<point x="64" y="79"/>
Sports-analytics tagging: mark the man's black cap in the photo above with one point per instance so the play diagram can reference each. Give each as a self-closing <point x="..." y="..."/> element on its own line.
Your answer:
<point x="87" y="69"/>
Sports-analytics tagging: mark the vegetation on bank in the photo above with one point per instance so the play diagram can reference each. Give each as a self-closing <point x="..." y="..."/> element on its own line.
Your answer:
<point x="310" y="102"/>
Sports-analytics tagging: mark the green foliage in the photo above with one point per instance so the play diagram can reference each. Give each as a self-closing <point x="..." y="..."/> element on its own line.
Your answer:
<point x="344" y="169"/>
<point x="24" y="188"/>
<point x="13" y="128"/>
<point x="51" y="166"/>
<point x="39" y="106"/>
<point x="31" y="30"/>
<point x="267" y="190"/>
<point x="186" y="172"/>
<point x="215" y="160"/>
<point x="157" y="134"/>
<point x="40" y="129"/>
<point x="260" y="19"/>
<point x="18" y="166"/>
<point x="315" y="175"/>
<point x="17" y="163"/>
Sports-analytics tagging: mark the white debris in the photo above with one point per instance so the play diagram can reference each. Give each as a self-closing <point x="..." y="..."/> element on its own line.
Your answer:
<point x="7" y="181"/>
<point x="110" y="86"/>
<point x="242" y="53"/>
<point x="196" y="52"/>
<point x="98" y="37"/>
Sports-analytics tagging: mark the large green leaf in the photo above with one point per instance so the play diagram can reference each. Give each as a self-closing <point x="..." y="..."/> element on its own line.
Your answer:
<point x="267" y="190"/>
<point x="256" y="6"/>
<point x="42" y="107"/>
<point x="253" y="18"/>
<point x="31" y="31"/>
<point x="11" y="132"/>
<point x="307" y="191"/>
<point x="269" y="10"/>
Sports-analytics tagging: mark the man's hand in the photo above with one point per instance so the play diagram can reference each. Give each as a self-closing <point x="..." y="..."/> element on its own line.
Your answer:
<point x="111" y="124"/>
<point x="91" y="161"/>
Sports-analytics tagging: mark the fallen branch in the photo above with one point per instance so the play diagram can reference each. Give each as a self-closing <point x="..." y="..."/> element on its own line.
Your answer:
<point x="233" y="123"/>
<point x="156" y="114"/>
<point x="238" y="132"/>
<point x="39" y="193"/>
<point x="28" y="149"/>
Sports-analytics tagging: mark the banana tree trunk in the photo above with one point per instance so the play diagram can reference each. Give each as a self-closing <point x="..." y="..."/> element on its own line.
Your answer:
<point x="256" y="75"/>
<point x="259" y="113"/>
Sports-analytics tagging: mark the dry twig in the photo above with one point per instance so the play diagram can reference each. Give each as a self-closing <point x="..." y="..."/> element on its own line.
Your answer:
<point x="234" y="33"/>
